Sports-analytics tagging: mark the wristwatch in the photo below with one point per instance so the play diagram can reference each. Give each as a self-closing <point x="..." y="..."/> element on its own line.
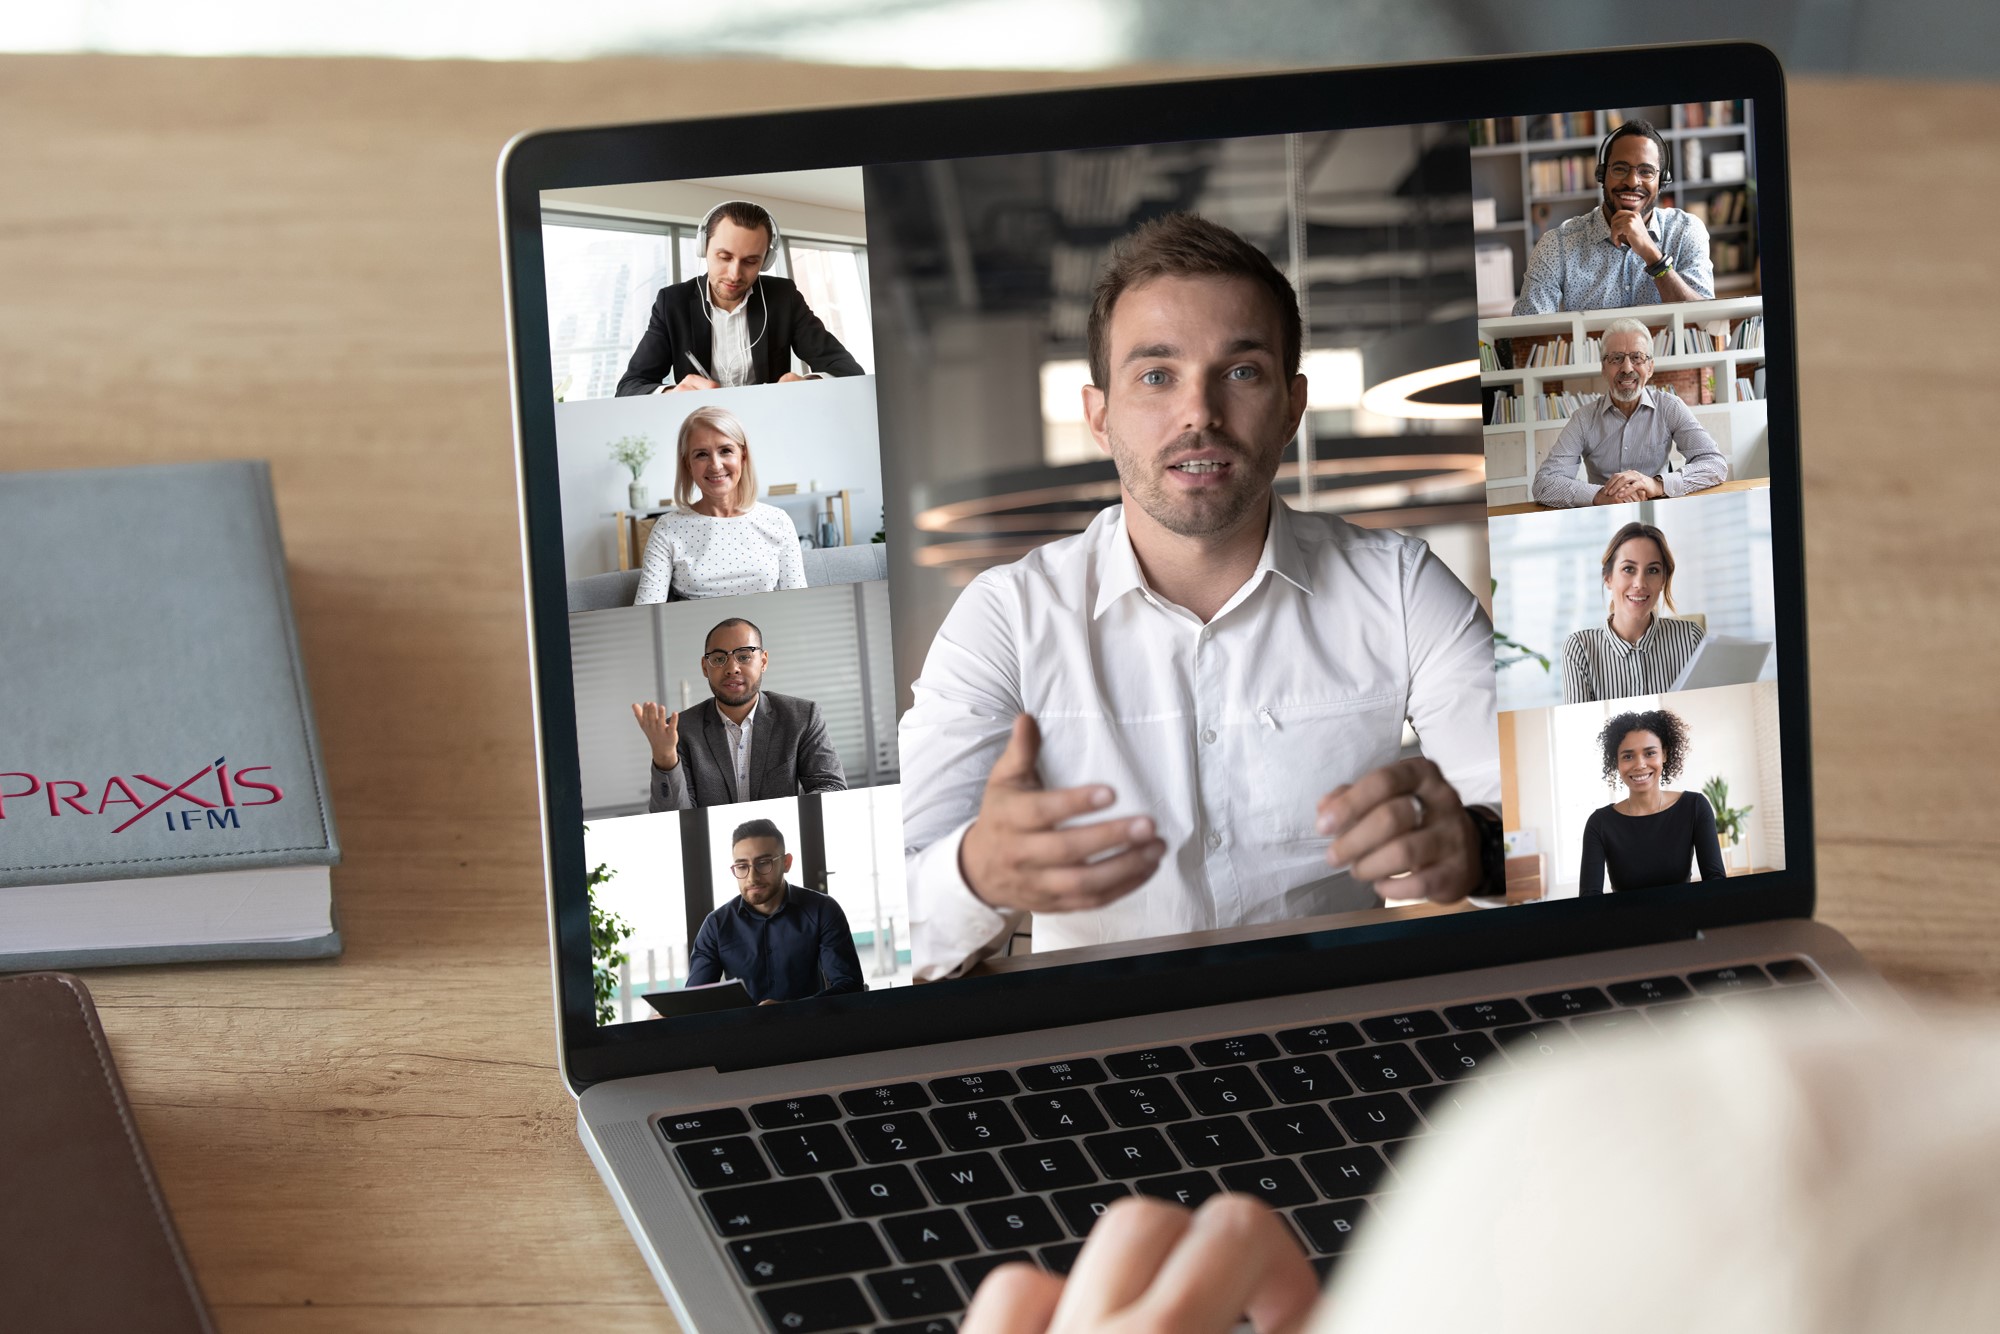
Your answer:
<point x="1492" y="852"/>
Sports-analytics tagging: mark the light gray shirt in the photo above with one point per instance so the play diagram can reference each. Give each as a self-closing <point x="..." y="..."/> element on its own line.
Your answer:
<point x="1607" y="441"/>
<point x="739" y="744"/>
<point x="1577" y="266"/>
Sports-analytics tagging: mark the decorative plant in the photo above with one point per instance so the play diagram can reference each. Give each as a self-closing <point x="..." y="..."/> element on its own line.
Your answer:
<point x="1507" y="643"/>
<point x="1728" y="819"/>
<point x="607" y="932"/>
<point x="633" y="452"/>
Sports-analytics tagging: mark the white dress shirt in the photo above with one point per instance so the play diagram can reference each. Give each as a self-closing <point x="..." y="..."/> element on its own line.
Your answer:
<point x="1226" y="734"/>
<point x="730" y="340"/>
<point x="739" y="747"/>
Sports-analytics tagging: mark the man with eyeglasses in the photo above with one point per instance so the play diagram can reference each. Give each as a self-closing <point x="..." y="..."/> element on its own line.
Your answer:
<point x="1626" y="439"/>
<point x="1627" y="251"/>
<point x="746" y="743"/>
<point x="783" y="942"/>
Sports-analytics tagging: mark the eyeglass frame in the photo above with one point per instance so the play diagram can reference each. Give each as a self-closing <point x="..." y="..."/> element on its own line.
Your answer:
<point x="767" y="862"/>
<point x="1633" y="359"/>
<point x="727" y="653"/>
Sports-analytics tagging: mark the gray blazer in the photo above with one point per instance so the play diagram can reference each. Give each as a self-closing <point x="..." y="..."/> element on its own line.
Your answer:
<point x="789" y="754"/>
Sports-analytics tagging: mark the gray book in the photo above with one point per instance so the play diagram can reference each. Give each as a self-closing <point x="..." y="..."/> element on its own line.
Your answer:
<point x="162" y="796"/>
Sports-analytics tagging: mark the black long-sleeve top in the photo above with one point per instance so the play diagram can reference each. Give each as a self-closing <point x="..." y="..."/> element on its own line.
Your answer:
<point x="803" y="949"/>
<point x="1642" y="851"/>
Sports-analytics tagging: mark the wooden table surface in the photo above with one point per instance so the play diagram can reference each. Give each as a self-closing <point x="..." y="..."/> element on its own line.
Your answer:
<point x="298" y="260"/>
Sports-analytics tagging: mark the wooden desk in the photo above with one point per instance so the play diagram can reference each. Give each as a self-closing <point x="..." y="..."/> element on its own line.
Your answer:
<point x="298" y="260"/>
<point x="1734" y="484"/>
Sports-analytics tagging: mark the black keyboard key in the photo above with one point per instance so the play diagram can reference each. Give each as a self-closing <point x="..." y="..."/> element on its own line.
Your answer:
<point x="938" y="1235"/>
<point x="723" y="1162"/>
<point x="1225" y="1139"/>
<point x="1410" y="1024"/>
<point x="971" y="1088"/>
<point x="978" y="1125"/>
<point x="1535" y="1042"/>
<point x="1024" y="1221"/>
<point x="1082" y="1208"/>
<point x="1671" y="1016"/>
<point x="795" y="1111"/>
<point x="892" y="1139"/>
<point x="1291" y="1130"/>
<point x="1131" y="1153"/>
<point x="1812" y="999"/>
<point x="1486" y="1014"/>
<point x="1393" y="1149"/>
<point x="689" y="1126"/>
<point x="1234" y="1051"/>
<point x="904" y="1293"/>
<point x="1375" y="1116"/>
<point x="1649" y="991"/>
<point x="937" y="1324"/>
<point x="1048" y="1166"/>
<point x="1304" y="1079"/>
<point x="1610" y="1028"/>
<point x="971" y="1176"/>
<point x="808" y="1149"/>
<point x="787" y="1257"/>
<point x="1743" y="977"/>
<point x="1329" y="1227"/>
<point x="1060" y="1258"/>
<point x="1185" y="1188"/>
<point x="1151" y="1061"/>
<point x="972" y="1272"/>
<point x="740" y="1210"/>
<point x="879" y="1190"/>
<point x="812" y="1307"/>
<point x="1787" y="972"/>
<point x="1563" y="1004"/>
<point x="884" y="1098"/>
<point x="1060" y="1114"/>
<point x="1462" y="1055"/>
<point x="1144" y="1103"/>
<point x="1443" y="1099"/>
<point x="1320" y="1037"/>
<point x="1061" y="1074"/>
<point x="1278" y="1184"/>
<point x="1347" y="1173"/>
<point x="1218" y="1092"/>
<point x="1375" y="1069"/>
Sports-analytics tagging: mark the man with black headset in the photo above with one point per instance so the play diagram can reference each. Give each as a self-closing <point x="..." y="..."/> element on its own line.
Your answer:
<point x="1628" y="251"/>
<point x="733" y="324"/>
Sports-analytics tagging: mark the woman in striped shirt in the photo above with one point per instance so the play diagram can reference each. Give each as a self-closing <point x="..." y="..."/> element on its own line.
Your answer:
<point x="1636" y="651"/>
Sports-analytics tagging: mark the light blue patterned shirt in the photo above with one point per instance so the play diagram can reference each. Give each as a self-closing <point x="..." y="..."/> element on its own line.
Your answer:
<point x="1577" y="266"/>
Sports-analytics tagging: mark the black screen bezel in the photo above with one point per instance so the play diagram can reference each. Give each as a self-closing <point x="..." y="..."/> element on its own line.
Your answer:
<point x="1111" y="117"/>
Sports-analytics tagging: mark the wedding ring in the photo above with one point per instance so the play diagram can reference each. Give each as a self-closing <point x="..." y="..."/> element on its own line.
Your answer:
<point x="1422" y="810"/>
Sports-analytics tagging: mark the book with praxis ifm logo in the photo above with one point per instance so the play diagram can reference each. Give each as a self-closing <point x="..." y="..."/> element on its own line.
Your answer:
<point x="161" y="792"/>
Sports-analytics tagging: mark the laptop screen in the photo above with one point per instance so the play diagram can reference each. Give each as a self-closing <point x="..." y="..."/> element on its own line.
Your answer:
<point x="1029" y="565"/>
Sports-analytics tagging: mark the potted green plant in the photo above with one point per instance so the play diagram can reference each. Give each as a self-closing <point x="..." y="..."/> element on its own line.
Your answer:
<point x="1728" y="819"/>
<point x="1505" y="643"/>
<point x="608" y="931"/>
<point x="633" y="453"/>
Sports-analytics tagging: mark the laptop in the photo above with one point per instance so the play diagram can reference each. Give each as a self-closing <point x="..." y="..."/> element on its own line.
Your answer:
<point x="834" y="430"/>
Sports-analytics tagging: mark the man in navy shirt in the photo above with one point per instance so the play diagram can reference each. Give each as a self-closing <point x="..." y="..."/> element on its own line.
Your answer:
<point x="783" y="942"/>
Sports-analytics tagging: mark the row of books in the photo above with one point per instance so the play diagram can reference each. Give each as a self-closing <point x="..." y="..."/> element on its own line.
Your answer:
<point x="1748" y="334"/>
<point x="1562" y="175"/>
<point x="1744" y="335"/>
<point x="1505" y="409"/>
<point x="1720" y="209"/>
<point x="1491" y="130"/>
<point x="1730" y="256"/>
<point x="1702" y="115"/>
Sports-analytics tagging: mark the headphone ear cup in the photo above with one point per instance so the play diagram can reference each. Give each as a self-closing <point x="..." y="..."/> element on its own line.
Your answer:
<point x="1600" y="173"/>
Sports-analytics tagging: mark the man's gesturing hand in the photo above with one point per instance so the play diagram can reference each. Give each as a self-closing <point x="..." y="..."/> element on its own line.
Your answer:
<point x="1015" y="856"/>
<point x="663" y="733"/>
<point x="1401" y="818"/>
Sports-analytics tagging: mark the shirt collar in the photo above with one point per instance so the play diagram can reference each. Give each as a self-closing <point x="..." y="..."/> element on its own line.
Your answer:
<point x="749" y="913"/>
<point x="1118" y="571"/>
<point x="1645" y="640"/>
<point x="748" y="718"/>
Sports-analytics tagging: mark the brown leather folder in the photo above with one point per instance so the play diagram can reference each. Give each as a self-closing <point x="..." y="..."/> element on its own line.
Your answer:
<point x="86" y="1243"/>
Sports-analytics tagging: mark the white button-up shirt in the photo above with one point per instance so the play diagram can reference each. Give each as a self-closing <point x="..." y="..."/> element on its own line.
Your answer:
<point x="730" y="340"/>
<point x="1227" y="734"/>
<point x="739" y="747"/>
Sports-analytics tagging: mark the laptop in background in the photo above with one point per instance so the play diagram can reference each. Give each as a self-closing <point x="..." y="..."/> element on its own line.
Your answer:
<point x="903" y="320"/>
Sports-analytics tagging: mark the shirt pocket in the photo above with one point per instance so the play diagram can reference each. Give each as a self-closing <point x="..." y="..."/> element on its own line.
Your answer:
<point x="1307" y="749"/>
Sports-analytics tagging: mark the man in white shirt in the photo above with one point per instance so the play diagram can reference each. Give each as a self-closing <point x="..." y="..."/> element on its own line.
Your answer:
<point x="1219" y="682"/>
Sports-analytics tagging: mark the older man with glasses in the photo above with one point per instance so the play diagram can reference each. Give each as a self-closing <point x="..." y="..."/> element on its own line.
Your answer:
<point x="1625" y="439"/>
<point x="744" y="744"/>
<point x="783" y="942"/>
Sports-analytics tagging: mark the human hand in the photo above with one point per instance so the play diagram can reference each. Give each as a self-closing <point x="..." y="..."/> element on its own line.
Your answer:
<point x="789" y="377"/>
<point x="1151" y="1267"/>
<point x="1015" y="856"/>
<point x="1403" y="817"/>
<point x="1628" y="230"/>
<point x="695" y="382"/>
<point x="771" y="1001"/>
<point x="663" y="733"/>
<point x="1622" y="487"/>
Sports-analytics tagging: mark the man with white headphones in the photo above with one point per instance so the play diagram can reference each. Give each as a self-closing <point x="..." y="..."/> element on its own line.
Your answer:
<point x="733" y="324"/>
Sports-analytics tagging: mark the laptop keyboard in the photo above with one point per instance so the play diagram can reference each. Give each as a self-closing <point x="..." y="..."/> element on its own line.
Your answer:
<point x="884" y="1208"/>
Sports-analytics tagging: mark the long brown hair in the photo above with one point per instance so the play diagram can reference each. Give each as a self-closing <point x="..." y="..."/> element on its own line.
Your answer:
<point x="1658" y="539"/>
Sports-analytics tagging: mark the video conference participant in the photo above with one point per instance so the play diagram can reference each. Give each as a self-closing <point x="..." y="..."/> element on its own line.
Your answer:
<point x="784" y="942"/>
<point x="728" y="541"/>
<point x="733" y="324"/>
<point x="1629" y="250"/>
<point x="1232" y="676"/>
<point x="743" y="744"/>
<point x="1635" y="651"/>
<point x="1624" y="438"/>
<point x="1650" y="837"/>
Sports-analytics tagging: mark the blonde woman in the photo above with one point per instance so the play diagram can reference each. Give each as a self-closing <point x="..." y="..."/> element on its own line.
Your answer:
<point x="727" y="541"/>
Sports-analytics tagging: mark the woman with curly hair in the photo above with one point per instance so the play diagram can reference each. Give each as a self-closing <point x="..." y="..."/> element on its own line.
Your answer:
<point x="1650" y="837"/>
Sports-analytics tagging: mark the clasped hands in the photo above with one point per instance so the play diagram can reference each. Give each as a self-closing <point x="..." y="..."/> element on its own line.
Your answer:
<point x="1621" y="487"/>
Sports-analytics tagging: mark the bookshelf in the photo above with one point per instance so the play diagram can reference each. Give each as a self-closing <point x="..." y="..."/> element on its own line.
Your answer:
<point x="1539" y="171"/>
<point x="1515" y="449"/>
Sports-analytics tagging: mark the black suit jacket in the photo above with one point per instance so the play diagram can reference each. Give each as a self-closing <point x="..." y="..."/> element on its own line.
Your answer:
<point x="781" y="323"/>
<point x="789" y="754"/>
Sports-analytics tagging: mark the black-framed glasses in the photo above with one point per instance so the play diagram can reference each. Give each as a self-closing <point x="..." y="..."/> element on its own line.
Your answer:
<point x="717" y="660"/>
<point x="1633" y="359"/>
<point x="1646" y="172"/>
<point x="741" y="870"/>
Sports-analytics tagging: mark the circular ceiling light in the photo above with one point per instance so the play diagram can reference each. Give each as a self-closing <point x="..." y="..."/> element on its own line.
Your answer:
<point x="1424" y="373"/>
